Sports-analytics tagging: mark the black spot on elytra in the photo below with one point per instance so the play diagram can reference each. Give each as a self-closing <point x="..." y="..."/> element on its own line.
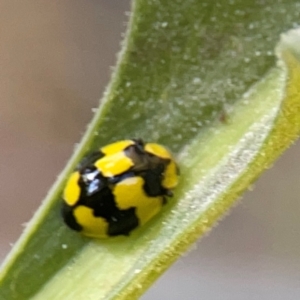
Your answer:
<point x="122" y="222"/>
<point x="152" y="181"/>
<point x="68" y="217"/>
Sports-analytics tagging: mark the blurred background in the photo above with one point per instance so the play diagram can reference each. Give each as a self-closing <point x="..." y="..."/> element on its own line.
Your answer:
<point x="55" y="59"/>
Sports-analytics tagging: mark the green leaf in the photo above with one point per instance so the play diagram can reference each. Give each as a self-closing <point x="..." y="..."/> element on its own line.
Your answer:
<point x="199" y="77"/>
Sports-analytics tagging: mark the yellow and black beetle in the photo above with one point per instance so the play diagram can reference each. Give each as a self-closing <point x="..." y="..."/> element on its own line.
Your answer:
<point x="119" y="188"/>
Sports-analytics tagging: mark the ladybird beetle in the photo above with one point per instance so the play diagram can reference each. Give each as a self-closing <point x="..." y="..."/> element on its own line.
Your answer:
<point x="119" y="188"/>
